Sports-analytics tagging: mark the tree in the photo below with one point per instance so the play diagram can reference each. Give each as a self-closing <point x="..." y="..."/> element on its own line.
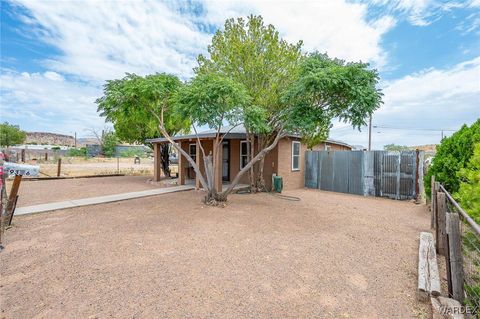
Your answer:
<point x="452" y="155"/>
<point x="327" y="89"/>
<point x="128" y="103"/>
<point x="395" y="147"/>
<point x="288" y="91"/>
<point x="11" y="135"/>
<point x="469" y="190"/>
<point x="301" y="96"/>
<point x="109" y="142"/>
<point x="253" y="54"/>
<point x="324" y="89"/>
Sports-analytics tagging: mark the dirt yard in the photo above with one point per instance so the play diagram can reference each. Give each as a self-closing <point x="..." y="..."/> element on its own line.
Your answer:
<point x="327" y="256"/>
<point x="40" y="192"/>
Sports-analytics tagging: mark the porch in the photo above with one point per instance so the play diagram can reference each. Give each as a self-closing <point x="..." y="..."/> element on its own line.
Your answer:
<point x="232" y="155"/>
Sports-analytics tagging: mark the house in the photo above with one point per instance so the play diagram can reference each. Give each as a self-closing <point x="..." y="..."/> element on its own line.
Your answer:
<point x="285" y="160"/>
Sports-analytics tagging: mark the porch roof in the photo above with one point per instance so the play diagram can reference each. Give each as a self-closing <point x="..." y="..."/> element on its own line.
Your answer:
<point x="237" y="132"/>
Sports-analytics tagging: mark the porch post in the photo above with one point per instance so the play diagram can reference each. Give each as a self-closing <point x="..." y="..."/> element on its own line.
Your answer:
<point x="156" y="162"/>
<point x="197" y="160"/>
<point x="218" y="169"/>
<point x="181" y="168"/>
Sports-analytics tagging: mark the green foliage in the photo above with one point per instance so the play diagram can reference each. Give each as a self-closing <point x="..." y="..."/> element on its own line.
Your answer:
<point x="452" y="155"/>
<point x="211" y="99"/>
<point x="253" y="55"/>
<point x="395" y="147"/>
<point x="132" y="152"/>
<point x="330" y="88"/>
<point x="469" y="191"/>
<point x="11" y="135"/>
<point x="128" y="103"/>
<point x="77" y="152"/>
<point x="109" y="141"/>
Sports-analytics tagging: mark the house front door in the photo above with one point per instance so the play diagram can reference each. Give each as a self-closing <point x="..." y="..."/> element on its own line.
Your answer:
<point x="226" y="161"/>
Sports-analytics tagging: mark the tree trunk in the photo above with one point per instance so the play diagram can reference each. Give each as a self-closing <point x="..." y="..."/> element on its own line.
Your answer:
<point x="165" y="159"/>
<point x="260" y="182"/>
<point x="250" y="151"/>
<point x="259" y="179"/>
<point x="261" y="154"/>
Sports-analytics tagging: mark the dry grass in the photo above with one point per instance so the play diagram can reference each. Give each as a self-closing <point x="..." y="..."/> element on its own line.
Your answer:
<point x="78" y="166"/>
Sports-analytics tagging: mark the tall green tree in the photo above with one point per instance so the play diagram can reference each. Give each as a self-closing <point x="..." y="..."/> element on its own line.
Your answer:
<point x="128" y="104"/>
<point x="452" y="155"/>
<point x="254" y="78"/>
<point x="289" y="91"/>
<point x="11" y="135"/>
<point x="254" y="55"/>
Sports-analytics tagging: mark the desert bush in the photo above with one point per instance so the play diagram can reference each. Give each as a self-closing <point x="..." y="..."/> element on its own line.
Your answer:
<point x="77" y="152"/>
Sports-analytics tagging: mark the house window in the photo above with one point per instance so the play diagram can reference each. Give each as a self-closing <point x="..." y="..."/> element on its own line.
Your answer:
<point x="295" y="156"/>
<point x="192" y="151"/>
<point x="243" y="154"/>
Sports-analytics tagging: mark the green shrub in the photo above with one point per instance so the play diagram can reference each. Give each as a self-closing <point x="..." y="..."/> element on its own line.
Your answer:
<point x="77" y="152"/>
<point x="469" y="191"/>
<point x="132" y="152"/>
<point x="452" y="155"/>
<point x="110" y="140"/>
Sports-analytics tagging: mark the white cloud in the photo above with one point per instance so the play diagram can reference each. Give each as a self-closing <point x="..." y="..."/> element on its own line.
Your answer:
<point x="340" y="28"/>
<point x="434" y="98"/>
<point x="103" y="40"/>
<point x="46" y="101"/>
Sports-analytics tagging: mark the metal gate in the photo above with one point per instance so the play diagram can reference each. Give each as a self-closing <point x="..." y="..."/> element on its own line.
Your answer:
<point x="378" y="173"/>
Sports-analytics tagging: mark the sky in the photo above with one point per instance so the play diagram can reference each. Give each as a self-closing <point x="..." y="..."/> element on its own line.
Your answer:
<point x="56" y="55"/>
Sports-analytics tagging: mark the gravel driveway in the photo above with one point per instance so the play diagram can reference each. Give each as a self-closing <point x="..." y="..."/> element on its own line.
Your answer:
<point x="327" y="256"/>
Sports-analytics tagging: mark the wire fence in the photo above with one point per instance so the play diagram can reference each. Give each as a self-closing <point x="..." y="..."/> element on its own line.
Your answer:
<point x="471" y="264"/>
<point x="462" y="252"/>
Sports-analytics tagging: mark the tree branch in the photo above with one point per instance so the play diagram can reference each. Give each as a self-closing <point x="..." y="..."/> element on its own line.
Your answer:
<point x="178" y="148"/>
<point x="257" y="158"/>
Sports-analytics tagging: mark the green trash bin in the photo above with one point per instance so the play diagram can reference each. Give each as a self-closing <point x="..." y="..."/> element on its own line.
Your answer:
<point x="277" y="184"/>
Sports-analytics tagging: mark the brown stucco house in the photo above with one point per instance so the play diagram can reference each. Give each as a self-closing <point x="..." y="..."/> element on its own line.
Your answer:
<point x="286" y="159"/>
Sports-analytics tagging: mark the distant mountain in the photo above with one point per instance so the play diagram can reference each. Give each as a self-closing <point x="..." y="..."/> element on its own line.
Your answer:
<point x="426" y="148"/>
<point x="45" y="138"/>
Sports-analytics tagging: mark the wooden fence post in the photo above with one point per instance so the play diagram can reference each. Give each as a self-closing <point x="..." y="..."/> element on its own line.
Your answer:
<point x="455" y="256"/>
<point x="59" y="167"/>
<point x="433" y="199"/>
<point x="13" y="197"/>
<point x="441" y="223"/>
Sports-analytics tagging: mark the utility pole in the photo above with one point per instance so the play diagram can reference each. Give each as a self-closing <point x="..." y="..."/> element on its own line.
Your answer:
<point x="75" y="139"/>
<point x="370" y="133"/>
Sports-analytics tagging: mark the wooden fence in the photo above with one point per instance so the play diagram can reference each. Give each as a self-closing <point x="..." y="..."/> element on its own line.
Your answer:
<point x="458" y="240"/>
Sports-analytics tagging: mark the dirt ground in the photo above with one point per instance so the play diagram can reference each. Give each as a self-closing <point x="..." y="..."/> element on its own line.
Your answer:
<point x="47" y="191"/>
<point x="329" y="255"/>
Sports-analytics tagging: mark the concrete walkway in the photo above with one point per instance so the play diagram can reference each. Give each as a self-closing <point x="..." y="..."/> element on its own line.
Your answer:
<point x="99" y="200"/>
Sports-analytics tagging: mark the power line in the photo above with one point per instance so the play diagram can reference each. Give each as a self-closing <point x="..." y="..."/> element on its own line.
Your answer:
<point x="413" y="129"/>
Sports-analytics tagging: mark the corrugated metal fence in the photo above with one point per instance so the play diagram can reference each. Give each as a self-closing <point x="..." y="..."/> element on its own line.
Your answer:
<point x="374" y="173"/>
